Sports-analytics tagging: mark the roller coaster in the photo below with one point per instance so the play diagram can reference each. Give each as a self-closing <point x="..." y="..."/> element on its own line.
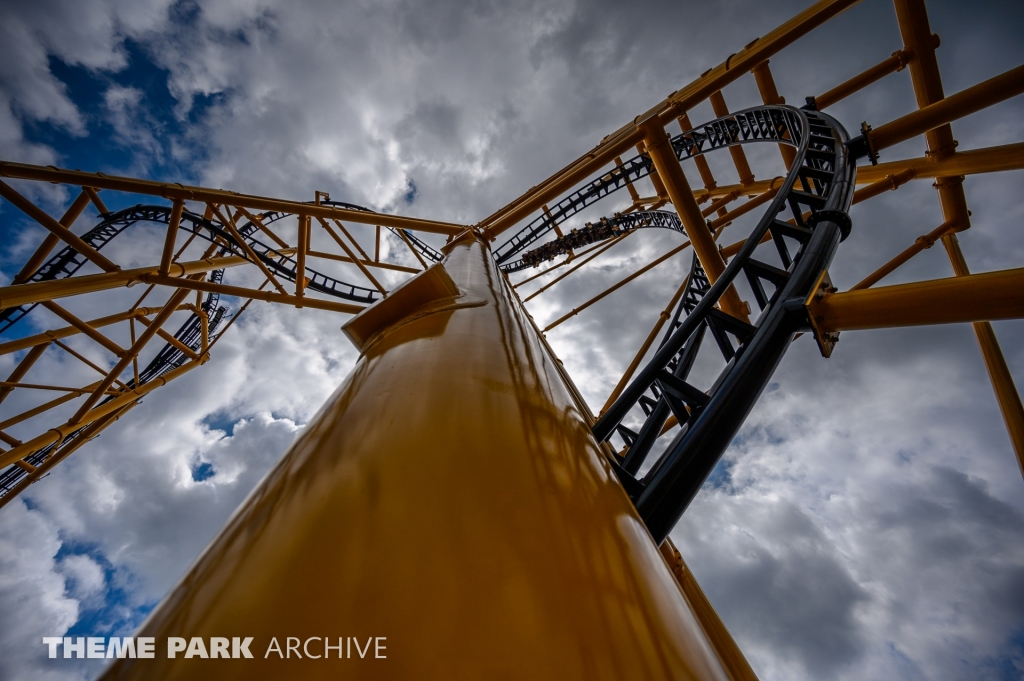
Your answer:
<point x="453" y="353"/>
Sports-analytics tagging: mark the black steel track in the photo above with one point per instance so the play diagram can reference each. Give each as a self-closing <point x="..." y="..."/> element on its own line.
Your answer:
<point x="606" y="228"/>
<point x="68" y="261"/>
<point x="780" y="124"/>
<point x="817" y="191"/>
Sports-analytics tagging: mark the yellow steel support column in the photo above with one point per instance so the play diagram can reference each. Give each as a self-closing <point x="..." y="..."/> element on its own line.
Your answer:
<point x="739" y="159"/>
<point x="702" y="163"/>
<point x="679" y="192"/>
<point x="770" y="95"/>
<point x="968" y="298"/>
<point x="924" y="72"/>
<point x="998" y="372"/>
<point x="964" y="103"/>
<point x="897" y="62"/>
<point x="450" y="498"/>
<point x="51" y="240"/>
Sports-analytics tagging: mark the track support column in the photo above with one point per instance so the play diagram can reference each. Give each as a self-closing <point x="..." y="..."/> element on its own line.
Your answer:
<point x="451" y="498"/>
<point x="679" y="191"/>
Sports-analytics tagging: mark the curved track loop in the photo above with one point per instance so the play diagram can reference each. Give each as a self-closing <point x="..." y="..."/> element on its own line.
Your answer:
<point x="779" y="124"/>
<point x="607" y="228"/>
<point x="821" y="181"/>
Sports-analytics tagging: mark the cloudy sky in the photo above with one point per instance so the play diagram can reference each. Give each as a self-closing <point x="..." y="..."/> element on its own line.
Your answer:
<point x="868" y="521"/>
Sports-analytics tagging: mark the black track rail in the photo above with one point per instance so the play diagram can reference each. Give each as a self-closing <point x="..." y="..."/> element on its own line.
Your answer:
<point x="821" y="183"/>
<point x="606" y="228"/>
<point x="760" y="124"/>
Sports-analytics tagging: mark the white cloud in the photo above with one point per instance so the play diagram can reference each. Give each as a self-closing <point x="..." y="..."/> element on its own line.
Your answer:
<point x="869" y="526"/>
<point x="32" y="593"/>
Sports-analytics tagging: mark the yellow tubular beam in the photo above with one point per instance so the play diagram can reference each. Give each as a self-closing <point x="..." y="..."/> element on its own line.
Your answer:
<point x="25" y="294"/>
<point x="352" y="256"/>
<point x="253" y="258"/>
<point x="889" y="183"/>
<point x="57" y="229"/>
<point x="368" y="263"/>
<point x="51" y="240"/>
<point x="739" y="159"/>
<point x="702" y="163"/>
<point x="172" y="233"/>
<point x="987" y="160"/>
<point x="975" y="98"/>
<point x="999" y="373"/>
<point x="114" y="374"/>
<point x="60" y="432"/>
<point x="734" y="67"/>
<point x="770" y="95"/>
<point x="924" y="72"/>
<point x="412" y="248"/>
<point x="23" y="366"/>
<point x="58" y="388"/>
<point x="919" y="245"/>
<point x="254" y="219"/>
<point x="614" y="287"/>
<point x="355" y="243"/>
<point x="896" y="62"/>
<point x="679" y="191"/>
<point x="267" y="296"/>
<point x="35" y="411"/>
<point x="718" y="205"/>
<point x="84" y="327"/>
<point x="720" y="223"/>
<point x="176" y="191"/>
<point x="303" y="248"/>
<point x="186" y="350"/>
<point x="4" y="437"/>
<point x="488" y="442"/>
<point x="47" y="336"/>
<point x="654" y="177"/>
<point x="969" y="298"/>
<point x="94" y="196"/>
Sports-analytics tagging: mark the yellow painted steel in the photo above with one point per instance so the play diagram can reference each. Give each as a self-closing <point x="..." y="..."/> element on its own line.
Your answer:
<point x="968" y="298"/>
<point x="449" y="497"/>
<point x="37" y="292"/>
<point x="26" y="171"/>
<point x="676" y="104"/>
<point x="665" y="161"/>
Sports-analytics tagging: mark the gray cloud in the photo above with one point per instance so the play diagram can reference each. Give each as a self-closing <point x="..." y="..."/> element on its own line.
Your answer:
<point x="868" y="525"/>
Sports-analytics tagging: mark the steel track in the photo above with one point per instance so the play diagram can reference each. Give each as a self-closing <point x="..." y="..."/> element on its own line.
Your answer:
<point x="817" y="191"/>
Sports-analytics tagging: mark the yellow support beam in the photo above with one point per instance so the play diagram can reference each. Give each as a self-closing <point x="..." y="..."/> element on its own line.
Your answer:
<point x="174" y="192"/>
<point x="736" y="66"/>
<point x="664" y="158"/>
<point x="47" y="336"/>
<point x="969" y="298"/>
<point x="37" y="292"/>
<point x="966" y="102"/>
<point x="58" y="433"/>
<point x="976" y="161"/>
